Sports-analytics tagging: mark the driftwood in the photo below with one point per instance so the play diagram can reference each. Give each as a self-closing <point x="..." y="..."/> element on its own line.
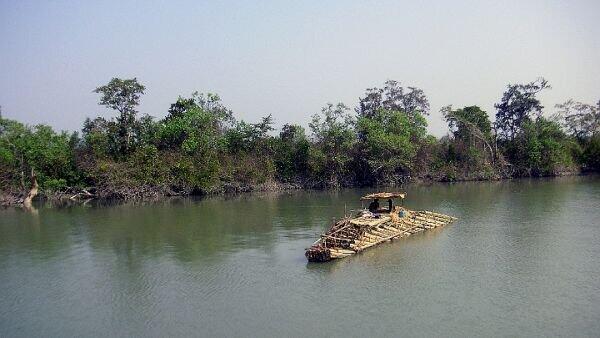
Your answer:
<point x="84" y="194"/>
<point x="33" y="191"/>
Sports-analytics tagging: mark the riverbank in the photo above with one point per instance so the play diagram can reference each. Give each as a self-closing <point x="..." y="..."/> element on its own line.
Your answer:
<point x="149" y="192"/>
<point x="142" y="192"/>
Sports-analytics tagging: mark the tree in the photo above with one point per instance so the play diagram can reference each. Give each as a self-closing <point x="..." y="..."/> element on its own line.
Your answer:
<point x="470" y="126"/>
<point x="292" y="153"/>
<point x="40" y="151"/>
<point x="250" y="137"/>
<point x="333" y="135"/>
<point x="580" y="119"/>
<point x="179" y="108"/>
<point x="391" y="127"/>
<point x="122" y="96"/>
<point x="517" y="105"/>
<point x="468" y="123"/>
<point x="210" y="103"/>
<point x="192" y="131"/>
<point x="393" y="97"/>
<point x="145" y="130"/>
<point x="100" y="137"/>
<point x="390" y="141"/>
<point x="192" y="140"/>
<point x="250" y="151"/>
<point x="591" y="154"/>
<point x="540" y="149"/>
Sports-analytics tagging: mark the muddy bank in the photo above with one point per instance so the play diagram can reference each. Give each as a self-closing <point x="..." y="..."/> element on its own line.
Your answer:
<point x="148" y="192"/>
<point x="143" y="192"/>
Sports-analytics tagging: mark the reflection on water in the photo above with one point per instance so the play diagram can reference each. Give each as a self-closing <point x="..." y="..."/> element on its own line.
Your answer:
<point x="522" y="260"/>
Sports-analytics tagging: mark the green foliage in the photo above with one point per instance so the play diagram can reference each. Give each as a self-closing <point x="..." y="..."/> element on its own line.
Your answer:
<point x="470" y="148"/>
<point x="145" y="130"/>
<point x="540" y="149"/>
<point x="122" y="96"/>
<point x="391" y="128"/>
<point x="468" y="122"/>
<point x="193" y="133"/>
<point x="49" y="154"/>
<point x="250" y="151"/>
<point x="99" y="136"/>
<point x="591" y="153"/>
<point x="516" y="107"/>
<point x="292" y="153"/>
<point x="581" y="120"/>
<point x="246" y="169"/>
<point x="390" y="140"/>
<point x="210" y="103"/>
<point x="199" y="146"/>
<point x="250" y="137"/>
<point x="539" y="146"/>
<point x="54" y="184"/>
<point x="149" y="166"/>
<point x="393" y="97"/>
<point x="334" y="137"/>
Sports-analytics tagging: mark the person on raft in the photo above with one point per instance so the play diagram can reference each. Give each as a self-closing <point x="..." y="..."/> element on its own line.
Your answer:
<point x="374" y="206"/>
<point x="390" y="205"/>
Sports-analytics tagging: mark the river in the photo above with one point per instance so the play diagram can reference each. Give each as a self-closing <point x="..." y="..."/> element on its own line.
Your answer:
<point x="522" y="260"/>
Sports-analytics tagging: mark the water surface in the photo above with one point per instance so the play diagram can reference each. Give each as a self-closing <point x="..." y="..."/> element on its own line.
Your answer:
<point x="523" y="260"/>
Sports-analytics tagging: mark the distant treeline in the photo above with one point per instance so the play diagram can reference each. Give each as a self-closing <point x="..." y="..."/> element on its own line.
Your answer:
<point x="201" y="147"/>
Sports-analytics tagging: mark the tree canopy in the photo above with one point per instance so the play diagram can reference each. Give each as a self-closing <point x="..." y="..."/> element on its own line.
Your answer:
<point x="121" y="95"/>
<point x="518" y="104"/>
<point x="199" y="146"/>
<point x="580" y="119"/>
<point x="393" y="97"/>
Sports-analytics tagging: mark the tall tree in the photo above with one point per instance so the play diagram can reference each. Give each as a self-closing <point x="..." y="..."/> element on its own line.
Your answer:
<point x="332" y="131"/>
<point x="210" y="103"/>
<point x="123" y="96"/>
<point x="517" y="105"/>
<point x="389" y="143"/>
<point x="391" y="127"/>
<point x="291" y="155"/>
<point x="393" y="97"/>
<point x="193" y="141"/>
<point x="471" y="126"/>
<point x="580" y="119"/>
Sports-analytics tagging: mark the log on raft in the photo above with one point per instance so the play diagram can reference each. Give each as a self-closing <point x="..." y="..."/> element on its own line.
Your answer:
<point x="349" y="236"/>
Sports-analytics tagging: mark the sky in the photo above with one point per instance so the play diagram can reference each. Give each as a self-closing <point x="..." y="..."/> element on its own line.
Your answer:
<point x="289" y="59"/>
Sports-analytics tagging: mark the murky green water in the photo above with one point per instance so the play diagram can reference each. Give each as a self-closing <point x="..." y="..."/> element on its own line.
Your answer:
<point x="523" y="260"/>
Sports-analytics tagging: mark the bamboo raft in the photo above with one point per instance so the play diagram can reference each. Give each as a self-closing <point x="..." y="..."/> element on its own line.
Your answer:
<point x="351" y="235"/>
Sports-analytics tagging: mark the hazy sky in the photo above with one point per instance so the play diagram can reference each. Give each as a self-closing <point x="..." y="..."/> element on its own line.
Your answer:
<point x="290" y="58"/>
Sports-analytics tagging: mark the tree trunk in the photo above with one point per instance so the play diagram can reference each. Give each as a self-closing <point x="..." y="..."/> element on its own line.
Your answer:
<point x="22" y="173"/>
<point x="32" y="192"/>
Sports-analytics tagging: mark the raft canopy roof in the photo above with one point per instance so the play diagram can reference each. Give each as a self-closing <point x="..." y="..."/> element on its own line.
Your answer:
<point x="383" y="195"/>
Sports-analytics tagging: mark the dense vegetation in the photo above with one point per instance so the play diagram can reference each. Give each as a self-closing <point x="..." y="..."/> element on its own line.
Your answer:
<point x="200" y="147"/>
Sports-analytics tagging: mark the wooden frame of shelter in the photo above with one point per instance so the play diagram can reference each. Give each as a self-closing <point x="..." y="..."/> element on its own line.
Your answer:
<point x="384" y="196"/>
